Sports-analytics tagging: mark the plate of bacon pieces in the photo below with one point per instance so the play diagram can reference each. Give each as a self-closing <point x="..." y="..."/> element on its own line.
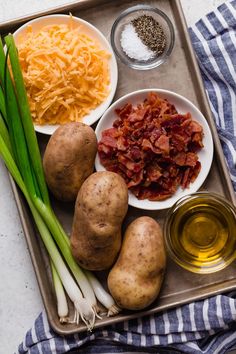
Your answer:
<point x="159" y="142"/>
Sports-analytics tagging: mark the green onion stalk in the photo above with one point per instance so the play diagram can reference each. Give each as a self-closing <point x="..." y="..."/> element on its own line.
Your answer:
<point x="20" y="151"/>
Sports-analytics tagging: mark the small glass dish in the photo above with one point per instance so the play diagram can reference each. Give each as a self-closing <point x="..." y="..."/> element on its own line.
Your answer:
<point x="131" y="14"/>
<point x="200" y="232"/>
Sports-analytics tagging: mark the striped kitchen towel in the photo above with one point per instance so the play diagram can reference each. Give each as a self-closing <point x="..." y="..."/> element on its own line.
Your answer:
<point x="207" y="326"/>
<point x="214" y="41"/>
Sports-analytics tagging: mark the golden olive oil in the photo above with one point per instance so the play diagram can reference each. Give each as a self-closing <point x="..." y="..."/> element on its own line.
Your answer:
<point x="202" y="233"/>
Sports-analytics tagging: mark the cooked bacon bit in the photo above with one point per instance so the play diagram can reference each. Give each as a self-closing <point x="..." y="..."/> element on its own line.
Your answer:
<point x="125" y="111"/>
<point x="191" y="159"/>
<point x="195" y="127"/>
<point x="163" y="144"/>
<point x="153" y="173"/>
<point x="195" y="171"/>
<point x="153" y="147"/>
<point x="147" y="146"/>
<point x="185" y="180"/>
<point x="137" y="115"/>
<point x="180" y="158"/>
<point x="136" y="179"/>
<point x="109" y="141"/>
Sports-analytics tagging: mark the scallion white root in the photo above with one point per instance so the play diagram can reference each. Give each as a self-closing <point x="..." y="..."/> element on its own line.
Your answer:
<point x="62" y="305"/>
<point x="102" y="295"/>
<point x="83" y="309"/>
<point x="78" y="273"/>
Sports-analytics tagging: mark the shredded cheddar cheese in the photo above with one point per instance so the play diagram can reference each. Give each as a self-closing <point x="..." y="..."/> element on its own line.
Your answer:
<point x="66" y="73"/>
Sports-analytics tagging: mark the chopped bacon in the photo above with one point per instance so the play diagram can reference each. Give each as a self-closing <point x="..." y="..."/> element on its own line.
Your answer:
<point x="195" y="127"/>
<point x="121" y="143"/>
<point x="191" y="159"/>
<point x="195" y="171"/>
<point x="153" y="147"/>
<point x="155" y="134"/>
<point x="134" y="153"/>
<point x="147" y="145"/>
<point x="180" y="158"/>
<point x="163" y="143"/>
<point x="153" y="172"/>
<point x="125" y="111"/>
<point x="137" y="115"/>
<point x="185" y="180"/>
<point x="104" y="150"/>
<point x="109" y="141"/>
<point x="136" y="179"/>
<point x="111" y="132"/>
<point x="129" y="164"/>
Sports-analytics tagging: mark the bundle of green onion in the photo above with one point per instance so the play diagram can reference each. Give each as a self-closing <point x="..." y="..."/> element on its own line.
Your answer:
<point x="20" y="152"/>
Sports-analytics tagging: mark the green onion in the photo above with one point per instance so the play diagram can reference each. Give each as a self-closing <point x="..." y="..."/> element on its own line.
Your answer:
<point x="4" y="133"/>
<point x="79" y="275"/>
<point x="82" y="307"/>
<point x="20" y="152"/>
<point x="2" y="104"/>
<point x="43" y="205"/>
<point x="2" y="69"/>
<point x="24" y="173"/>
<point x="102" y="295"/>
<point x="62" y="305"/>
<point x="26" y="118"/>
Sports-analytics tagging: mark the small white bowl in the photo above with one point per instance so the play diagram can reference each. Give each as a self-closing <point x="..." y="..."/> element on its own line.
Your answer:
<point x="182" y="105"/>
<point x="91" y="31"/>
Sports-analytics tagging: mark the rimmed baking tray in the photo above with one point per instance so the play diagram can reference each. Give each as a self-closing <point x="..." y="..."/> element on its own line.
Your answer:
<point x="180" y="74"/>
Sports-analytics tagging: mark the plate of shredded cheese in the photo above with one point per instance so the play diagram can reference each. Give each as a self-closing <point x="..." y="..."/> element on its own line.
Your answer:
<point x="69" y="69"/>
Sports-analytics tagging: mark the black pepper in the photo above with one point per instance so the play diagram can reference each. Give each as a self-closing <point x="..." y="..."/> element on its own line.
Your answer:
<point x="151" y="33"/>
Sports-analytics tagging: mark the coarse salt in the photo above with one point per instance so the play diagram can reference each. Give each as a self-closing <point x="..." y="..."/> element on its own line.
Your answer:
<point x="133" y="46"/>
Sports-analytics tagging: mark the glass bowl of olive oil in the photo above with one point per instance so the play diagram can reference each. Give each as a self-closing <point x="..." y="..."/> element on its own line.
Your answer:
<point x="200" y="232"/>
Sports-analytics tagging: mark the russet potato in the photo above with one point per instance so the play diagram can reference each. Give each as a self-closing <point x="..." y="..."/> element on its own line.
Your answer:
<point x="100" y="208"/>
<point x="69" y="159"/>
<point x="135" y="279"/>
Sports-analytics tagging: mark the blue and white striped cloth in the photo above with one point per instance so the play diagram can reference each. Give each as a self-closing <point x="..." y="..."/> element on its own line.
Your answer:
<point x="207" y="326"/>
<point x="214" y="41"/>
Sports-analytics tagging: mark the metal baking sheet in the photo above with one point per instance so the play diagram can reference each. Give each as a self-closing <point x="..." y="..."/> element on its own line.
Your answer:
<point x="180" y="74"/>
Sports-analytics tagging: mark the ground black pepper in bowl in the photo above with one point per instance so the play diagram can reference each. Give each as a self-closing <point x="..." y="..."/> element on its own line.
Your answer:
<point x="150" y="32"/>
<point x="142" y="37"/>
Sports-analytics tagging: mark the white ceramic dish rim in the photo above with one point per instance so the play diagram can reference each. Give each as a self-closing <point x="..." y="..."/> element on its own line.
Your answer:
<point x="97" y="112"/>
<point x="205" y="155"/>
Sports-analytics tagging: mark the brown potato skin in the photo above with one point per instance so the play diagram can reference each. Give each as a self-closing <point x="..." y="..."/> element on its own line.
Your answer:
<point x="100" y="208"/>
<point x="135" y="279"/>
<point x="69" y="159"/>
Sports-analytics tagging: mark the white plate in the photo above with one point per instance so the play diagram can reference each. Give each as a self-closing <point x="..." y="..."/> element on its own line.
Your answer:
<point x="91" y="31"/>
<point x="183" y="106"/>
